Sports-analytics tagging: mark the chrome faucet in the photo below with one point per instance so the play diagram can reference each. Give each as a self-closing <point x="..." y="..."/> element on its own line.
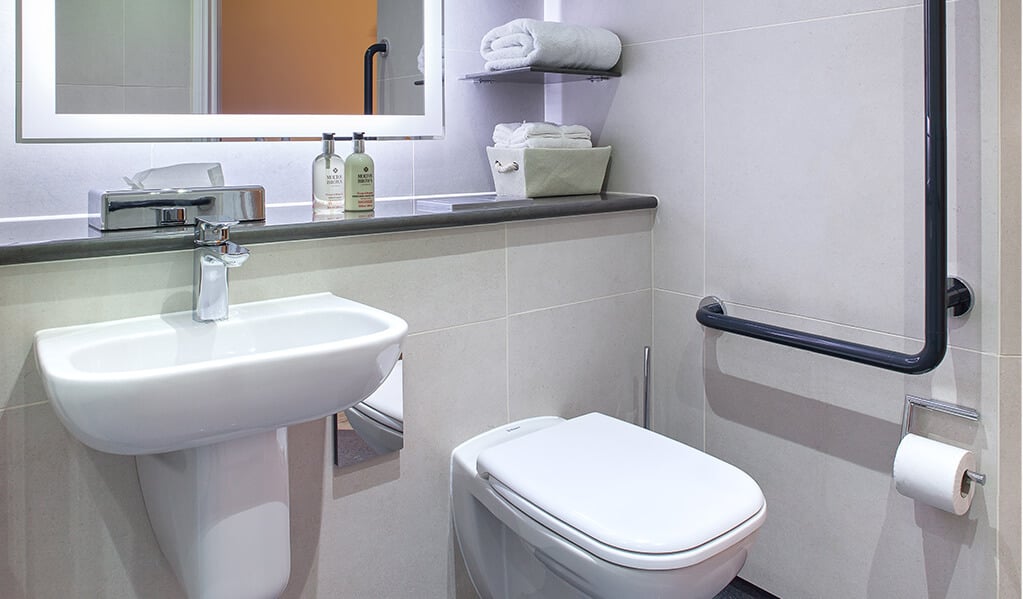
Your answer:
<point x="213" y="255"/>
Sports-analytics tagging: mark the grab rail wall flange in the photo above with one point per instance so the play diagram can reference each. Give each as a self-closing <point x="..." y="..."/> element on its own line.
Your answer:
<point x="940" y="292"/>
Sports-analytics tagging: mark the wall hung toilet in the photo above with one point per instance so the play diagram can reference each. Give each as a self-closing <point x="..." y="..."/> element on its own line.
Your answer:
<point x="379" y="419"/>
<point x="597" y="507"/>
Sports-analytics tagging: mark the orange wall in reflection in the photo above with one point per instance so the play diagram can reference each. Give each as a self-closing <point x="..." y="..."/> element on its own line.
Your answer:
<point x="294" y="56"/>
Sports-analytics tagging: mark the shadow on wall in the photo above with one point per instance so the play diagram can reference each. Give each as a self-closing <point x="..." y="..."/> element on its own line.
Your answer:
<point x="912" y="541"/>
<point x="943" y="537"/>
<point x="798" y="419"/>
<point x="306" y="465"/>
<point x="70" y="505"/>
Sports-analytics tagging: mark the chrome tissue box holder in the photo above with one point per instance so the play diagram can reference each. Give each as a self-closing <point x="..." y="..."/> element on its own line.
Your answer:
<point x="147" y="208"/>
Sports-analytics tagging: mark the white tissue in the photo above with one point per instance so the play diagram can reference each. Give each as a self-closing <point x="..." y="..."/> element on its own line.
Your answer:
<point x="932" y="472"/>
<point x="192" y="174"/>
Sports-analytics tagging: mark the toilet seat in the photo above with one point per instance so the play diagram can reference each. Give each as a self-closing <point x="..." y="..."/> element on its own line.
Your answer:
<point x="615" y="489"/>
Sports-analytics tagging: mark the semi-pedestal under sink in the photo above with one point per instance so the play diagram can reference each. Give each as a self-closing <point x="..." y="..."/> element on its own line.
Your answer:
<point x="205" y="405"/>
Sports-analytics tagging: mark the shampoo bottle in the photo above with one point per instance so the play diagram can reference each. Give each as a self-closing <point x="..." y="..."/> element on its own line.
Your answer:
<point x="359" y="191"/>
<point x="328" y="179"/>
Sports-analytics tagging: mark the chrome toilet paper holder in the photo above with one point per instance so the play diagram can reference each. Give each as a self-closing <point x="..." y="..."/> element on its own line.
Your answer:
<point x="945" y="408"/>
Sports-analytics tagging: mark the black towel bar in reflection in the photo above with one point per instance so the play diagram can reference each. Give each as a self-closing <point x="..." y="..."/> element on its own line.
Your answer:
<point x="940" y="293"/>
<point x="380" y="47"/>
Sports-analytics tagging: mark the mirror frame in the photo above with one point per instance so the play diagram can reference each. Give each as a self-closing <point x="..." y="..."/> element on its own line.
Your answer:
<point x="39" y="120"/>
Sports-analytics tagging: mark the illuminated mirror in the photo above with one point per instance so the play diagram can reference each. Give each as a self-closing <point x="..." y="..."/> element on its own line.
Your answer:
<point x="209" y="69"/>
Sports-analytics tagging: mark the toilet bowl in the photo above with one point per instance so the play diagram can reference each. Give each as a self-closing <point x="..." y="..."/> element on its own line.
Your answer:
<point x="379" y="419"/>
<point x="596" y="507"/>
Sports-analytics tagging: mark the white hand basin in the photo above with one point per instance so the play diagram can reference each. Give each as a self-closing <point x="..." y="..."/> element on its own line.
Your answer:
<point x="164" y="383"/>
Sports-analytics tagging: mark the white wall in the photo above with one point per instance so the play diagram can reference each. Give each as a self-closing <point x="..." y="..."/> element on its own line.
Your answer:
<point x="54" y="179"/>
<point x="784" y="141"/>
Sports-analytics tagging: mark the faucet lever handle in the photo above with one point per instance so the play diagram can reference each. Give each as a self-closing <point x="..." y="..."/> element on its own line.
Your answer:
<point x="212" y="230"/>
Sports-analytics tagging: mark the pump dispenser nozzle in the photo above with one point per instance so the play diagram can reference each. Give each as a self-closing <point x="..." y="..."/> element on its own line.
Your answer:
<point x="328" y="143"/>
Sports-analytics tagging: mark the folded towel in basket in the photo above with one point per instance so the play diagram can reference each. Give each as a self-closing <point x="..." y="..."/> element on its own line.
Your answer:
<point x="548" y="142"/>
<point x="541" y="135"/>
<point x="504" y="133"/>
<point x="529" y="42"/>
<point x="575" y="132"/>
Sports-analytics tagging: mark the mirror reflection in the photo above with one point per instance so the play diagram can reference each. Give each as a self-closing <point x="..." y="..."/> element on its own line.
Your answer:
<point x="374" y="426"/>
<point x="238" y="57"/>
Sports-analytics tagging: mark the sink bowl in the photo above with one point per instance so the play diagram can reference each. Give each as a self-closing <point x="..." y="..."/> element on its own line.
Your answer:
<point x="164" y="383"/>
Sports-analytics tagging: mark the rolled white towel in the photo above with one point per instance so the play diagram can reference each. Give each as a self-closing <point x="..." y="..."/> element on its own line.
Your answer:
<point x="529" y="42"/>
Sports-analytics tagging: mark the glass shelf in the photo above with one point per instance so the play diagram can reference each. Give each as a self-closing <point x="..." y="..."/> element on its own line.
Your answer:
<point x="540" y="75"/>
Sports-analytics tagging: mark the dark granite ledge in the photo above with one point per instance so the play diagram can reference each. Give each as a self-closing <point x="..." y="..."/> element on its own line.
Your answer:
<point x="45" y="241"/>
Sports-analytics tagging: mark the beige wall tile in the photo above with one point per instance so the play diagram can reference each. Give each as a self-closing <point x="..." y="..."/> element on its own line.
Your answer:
<point x="53" y="294"/>
<point x="658" y="19"/>
<point x="806" y="151"/>
<point x="553" y="353"/>
<point x="568" y="260"/>
<point x="1010" y="225"/>
<point x="653" y="120"/>
<point x="384" y="530"/>
<point x="73" y="524"/>
<point x="431" y="279"/>
<point x="1010" y="531"/>
<point x="677" y="389"/>
<point x="738" y="14"/>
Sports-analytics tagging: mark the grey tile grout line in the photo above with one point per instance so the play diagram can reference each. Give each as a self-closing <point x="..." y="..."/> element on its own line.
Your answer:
<point x="507" y="329"/>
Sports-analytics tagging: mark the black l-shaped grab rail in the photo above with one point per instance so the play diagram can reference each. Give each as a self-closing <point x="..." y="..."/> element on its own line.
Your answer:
<point x="380" y="47"/>
<point x="940" y="293"/>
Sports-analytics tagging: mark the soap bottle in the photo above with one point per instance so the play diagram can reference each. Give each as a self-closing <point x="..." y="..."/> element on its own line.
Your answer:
<point x="359" y="193"/>
<point x="328" y="179"/>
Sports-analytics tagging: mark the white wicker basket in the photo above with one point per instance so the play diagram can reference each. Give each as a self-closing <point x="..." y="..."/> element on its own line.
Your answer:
<point x="540" y="172"/>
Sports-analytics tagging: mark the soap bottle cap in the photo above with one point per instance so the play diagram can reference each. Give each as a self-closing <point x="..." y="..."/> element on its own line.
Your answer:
<point x="328" y="143"/>
<point x="358" y="141"/>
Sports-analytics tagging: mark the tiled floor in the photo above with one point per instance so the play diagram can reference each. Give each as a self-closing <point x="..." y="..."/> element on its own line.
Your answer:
<point x="740" y="589"/>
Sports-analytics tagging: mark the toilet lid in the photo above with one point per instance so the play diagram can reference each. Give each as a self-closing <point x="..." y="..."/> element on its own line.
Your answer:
<point x="621" y="485"/>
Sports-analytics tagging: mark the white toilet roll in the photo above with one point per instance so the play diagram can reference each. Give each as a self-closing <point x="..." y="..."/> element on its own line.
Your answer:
<point x="932" y="472"/>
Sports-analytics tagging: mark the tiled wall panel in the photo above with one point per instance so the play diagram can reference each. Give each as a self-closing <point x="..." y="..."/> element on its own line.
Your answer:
<point x="73" y="519"/>
<point x="785" y="142"/>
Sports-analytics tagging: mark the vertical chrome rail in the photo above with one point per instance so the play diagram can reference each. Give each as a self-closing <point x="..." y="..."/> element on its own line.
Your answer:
<point x="940" y="293"/>
<point x="646" y="387"/>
